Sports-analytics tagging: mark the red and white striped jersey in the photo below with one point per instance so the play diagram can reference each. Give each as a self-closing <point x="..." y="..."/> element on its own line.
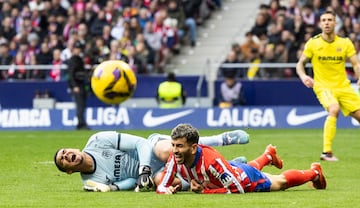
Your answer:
<point x="210" y="169"/>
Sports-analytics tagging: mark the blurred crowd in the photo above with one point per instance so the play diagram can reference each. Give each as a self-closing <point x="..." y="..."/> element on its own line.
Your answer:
<point x="144" y="33"/>
<point x="280" y="31"/>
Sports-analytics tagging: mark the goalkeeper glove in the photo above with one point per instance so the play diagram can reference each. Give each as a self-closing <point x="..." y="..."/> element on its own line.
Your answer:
<point x="91" y="185"/>
<point x="144" y="181"/>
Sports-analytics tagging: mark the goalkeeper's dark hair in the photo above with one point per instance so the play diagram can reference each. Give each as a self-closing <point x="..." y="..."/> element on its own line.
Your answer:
<point x="57" y="165"/>
<point x="185" y="130"/>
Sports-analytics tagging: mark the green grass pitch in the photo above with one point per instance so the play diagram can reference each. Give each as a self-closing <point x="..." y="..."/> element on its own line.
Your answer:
<point x="28" y="177"/>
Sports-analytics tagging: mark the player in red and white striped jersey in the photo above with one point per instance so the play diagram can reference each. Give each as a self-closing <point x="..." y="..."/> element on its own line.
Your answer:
<point x="208" y="171"/>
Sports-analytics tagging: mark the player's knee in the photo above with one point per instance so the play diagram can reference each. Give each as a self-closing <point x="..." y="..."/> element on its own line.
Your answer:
<point x="334" y="110"/>
<point x="278" y="182"/>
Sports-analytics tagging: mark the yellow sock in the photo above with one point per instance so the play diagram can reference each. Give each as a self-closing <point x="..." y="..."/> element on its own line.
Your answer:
<point x="329" y="133"/>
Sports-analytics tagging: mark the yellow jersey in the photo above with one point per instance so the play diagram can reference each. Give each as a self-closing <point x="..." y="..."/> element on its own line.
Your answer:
<point x="328" y="60"/>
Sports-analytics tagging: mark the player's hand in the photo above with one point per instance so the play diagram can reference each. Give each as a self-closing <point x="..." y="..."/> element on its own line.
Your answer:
<point x="144" y="181"/>
<point x="308" y="81"/>
<point x="91" y="185"/>
<point x="172" y="189"/>
<point x="196" y="186"/>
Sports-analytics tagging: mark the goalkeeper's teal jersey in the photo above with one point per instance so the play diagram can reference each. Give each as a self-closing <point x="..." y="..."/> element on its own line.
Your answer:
<point x="117" y="158"/>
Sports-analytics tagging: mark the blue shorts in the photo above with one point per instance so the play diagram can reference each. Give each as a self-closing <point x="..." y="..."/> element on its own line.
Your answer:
<point x="256" y="177"/>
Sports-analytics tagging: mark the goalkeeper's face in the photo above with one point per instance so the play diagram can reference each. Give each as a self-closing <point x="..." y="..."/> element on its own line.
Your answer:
<point x="69" y="160"/>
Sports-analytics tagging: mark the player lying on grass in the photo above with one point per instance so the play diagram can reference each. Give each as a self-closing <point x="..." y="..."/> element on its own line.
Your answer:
<point x="208" y="172"/>
<point x="112" y="161"/>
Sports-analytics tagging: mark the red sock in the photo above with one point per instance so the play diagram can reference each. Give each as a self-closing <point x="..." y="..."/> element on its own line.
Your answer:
<point x="260" y="162"/>
<point x="298" y="177"/>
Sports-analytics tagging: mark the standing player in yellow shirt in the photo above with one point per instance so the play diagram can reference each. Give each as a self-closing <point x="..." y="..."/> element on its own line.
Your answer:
<point x="328" y="53"/>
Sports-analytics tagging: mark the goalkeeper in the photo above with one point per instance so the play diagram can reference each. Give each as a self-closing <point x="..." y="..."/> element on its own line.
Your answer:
<point x="113" y="161"/>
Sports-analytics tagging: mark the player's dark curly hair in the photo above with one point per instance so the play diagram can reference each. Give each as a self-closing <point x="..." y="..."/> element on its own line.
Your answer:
<point x="57" y="165"/>
<point x="185" y="130"/>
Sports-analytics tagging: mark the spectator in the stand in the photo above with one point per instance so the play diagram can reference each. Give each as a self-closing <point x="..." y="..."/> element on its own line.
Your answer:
<point x="102" y="48"/>
<point x="175" y="11"/>
<point x="274" y="7"/>
<point x="66" y="53"/>
<point x="91" y="9"/>
<point x="318" y="8"/>
<point x="170" y="93"/>
<point x="249" y="47"/>
<point x="289" y="40"/>
<point x="153" y="41"/>
<point x="237" y="49"/>
<point x="33" y="43"/>
<point x="106" y="35"/>
<point x="353" y="13"/>
<point x="170" y="39"/>
<point x="57" y="9"/>
<point x="5" y="10"/>
<point x="17" y="69"/>
<point x="55" y="41"/>
<point x="269" y="57"/>
<point x="13" y="47"/>
<point x="231" y="92"/>
<point x="97" y="25"/>
<point x="142" y="53"/>
<point x="274" y="34"/>
<point x="298" y="29"/>
<point x="164" y="54"/>
<point x="53" y="26"/>
<point x="34" y="73"/>
<point x="79" y="5"/>
<point x="5" y="58"/>
<point x="118" y="29"/>
<point x="134" y="28"/>
<point x="134" y="62"/>
<point x="293" y="9"/>
<point x="115" y="53"/>
<point x="16" y="19"/>
<point x="282" y="21"/>
<point x="70" y="27"/>
<point x="83" y="35"/>
<point x="144" y="17"/>
<point x="6" y="30"/>
<point x="347" y="27"/>
<point x="77" y="80"/>
<point x="37" y="21"/>
<point x="236" y="71"/>
<point x="260" y="26"/>
<point x="274" y="53"/>
<point x="191" y="8"/>
<point x="44" y="57"/>
<point x="111" y="13"/>
<point x="56" y="73"/>
<point x="308" y="15"/>
<point x="264" y="10"/>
